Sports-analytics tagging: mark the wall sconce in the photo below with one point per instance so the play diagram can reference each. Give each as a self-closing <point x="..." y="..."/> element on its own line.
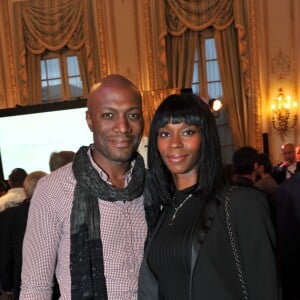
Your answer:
<point x="215" y="106"/>
<point x="284" y="113"/>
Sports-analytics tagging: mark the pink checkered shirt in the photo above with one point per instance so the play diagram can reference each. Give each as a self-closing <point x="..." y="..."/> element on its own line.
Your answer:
<point x="46" y="247"/>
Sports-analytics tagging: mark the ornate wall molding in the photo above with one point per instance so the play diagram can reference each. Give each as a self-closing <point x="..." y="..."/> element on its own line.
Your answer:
<point x="255" y="86"/>
<point x="149" y="44"/>
<point x="102" y="38"/>
<point x="280" y="65"/>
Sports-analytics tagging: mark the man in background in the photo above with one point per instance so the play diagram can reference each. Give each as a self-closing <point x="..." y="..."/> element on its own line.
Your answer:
<point x="288" y="232"/>
<point x="12" y="198"/>
<point x="297" y="153"/>
<point x="288" y="166"/>
<point x="16" y="194"/>
<point x="59" y="159"/>
<point x="245" y="164"/>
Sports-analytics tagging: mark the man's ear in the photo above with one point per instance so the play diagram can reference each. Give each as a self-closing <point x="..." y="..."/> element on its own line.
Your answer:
<point x="89" y="120"/>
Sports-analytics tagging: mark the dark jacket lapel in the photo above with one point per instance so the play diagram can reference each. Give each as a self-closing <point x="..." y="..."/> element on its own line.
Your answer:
<point x="208" y="213"/>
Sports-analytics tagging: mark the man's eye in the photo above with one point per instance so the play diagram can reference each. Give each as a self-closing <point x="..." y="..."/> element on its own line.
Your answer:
<point x="107" y="115"/>
<point x="134" y="116"/>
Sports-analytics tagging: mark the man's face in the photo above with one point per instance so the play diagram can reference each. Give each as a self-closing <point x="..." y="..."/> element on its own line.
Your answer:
<point x="115" y="117"/>
<point x="288" y="152"/>
<point x="297" y="152"/>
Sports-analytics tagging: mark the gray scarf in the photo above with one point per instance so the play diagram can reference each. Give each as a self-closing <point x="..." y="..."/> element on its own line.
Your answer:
<point x="86" y="255"/>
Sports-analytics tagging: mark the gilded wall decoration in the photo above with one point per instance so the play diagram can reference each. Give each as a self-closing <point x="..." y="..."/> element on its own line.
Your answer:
<point x="281" y="65"/>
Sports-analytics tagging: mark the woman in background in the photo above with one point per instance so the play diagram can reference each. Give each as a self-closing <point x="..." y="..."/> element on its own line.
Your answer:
<point x="211" y="242"/>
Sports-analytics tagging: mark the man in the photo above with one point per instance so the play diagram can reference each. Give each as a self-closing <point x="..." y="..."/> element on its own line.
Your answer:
<point x="288" y="229"/>
<point x="88" y="220"/>
<point x="297" y="153"/>
<point x="13" y="197"/>
<point x="16" y="194"/>
<point x="266" y="181"/>
<point x="245" y="164"/>
<point x="12" y="236"/>
<point x="59" y="159"/>
<point x="288" y="166"/>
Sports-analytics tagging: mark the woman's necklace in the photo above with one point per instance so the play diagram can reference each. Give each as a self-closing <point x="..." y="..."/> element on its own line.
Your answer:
<point x="178" y="207"/>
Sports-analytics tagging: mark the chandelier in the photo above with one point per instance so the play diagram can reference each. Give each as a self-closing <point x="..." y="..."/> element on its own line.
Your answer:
<point x="284" y="113"/>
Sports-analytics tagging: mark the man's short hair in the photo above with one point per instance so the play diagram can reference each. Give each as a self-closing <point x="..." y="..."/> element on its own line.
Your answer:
<point x="17" y="177"/>
<point x="244" y="160"/>
<point x="59" y="159"/>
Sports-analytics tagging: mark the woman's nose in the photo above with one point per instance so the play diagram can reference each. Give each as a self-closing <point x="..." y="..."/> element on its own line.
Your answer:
<point x="176" y="141"/>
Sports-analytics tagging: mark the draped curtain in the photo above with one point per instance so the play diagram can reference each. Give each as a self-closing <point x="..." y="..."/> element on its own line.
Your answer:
<point x="182" y="21"/>
<point x="53" y="25"/>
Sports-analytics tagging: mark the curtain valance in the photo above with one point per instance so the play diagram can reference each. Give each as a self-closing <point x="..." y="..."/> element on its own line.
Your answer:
<point x="53" y="25"/>
<point x="197" y="15"/>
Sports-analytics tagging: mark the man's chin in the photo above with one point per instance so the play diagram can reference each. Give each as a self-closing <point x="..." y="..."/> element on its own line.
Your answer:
<point x="123" y="156"/>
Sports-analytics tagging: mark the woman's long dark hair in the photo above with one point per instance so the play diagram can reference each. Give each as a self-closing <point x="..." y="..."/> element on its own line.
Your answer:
<point x="191" y="109"/>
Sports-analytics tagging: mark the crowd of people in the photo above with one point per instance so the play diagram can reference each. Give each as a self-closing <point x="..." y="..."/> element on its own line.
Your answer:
<point x="103" y="226"/>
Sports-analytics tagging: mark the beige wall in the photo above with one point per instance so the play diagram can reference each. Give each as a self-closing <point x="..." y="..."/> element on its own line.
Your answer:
<point x="130" y="45"/>
<point x="278" y="44"/>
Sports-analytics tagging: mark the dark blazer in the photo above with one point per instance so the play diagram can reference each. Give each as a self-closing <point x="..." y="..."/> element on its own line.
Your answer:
<point x="214" y="274"/>
<point x="6" y="251"/>
<point x="288" y="231"/>
<point x="280" y="174"/>
<point x="15" y="220"/>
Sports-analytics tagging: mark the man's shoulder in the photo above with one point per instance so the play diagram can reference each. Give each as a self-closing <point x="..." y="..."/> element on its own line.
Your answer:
<point x="54" y="189"/>
<point x="293" y="181"/>
<point x="13" y="195"/>
<point x="248" y="196"/>
<point x="58" y="179"/>
<point x="63" y="172"/>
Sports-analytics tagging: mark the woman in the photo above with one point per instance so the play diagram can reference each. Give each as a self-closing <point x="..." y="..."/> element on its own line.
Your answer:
<point x="211" y="242"/>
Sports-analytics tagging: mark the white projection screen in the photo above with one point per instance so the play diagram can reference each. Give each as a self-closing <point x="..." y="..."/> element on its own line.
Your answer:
<point x="29" y="134"/>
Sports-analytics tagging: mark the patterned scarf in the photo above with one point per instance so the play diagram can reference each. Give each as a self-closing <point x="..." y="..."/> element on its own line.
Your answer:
<point x="86" y="255"/>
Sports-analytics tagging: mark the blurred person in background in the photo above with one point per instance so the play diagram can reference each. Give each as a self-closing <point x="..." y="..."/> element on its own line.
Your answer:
<point x="13" y="233"/>
<point x="3" y="187"/>
<point x="288" y="234"/>
<point x="16" y="194"/>
<point x="266" y="181"/>
<point x="297" y="153"/>
<point x="59" y="159"/>
<point x="286" y="169"/>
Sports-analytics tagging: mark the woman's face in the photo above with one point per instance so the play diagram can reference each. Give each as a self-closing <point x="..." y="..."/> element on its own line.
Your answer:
<point x="179" y="147"/>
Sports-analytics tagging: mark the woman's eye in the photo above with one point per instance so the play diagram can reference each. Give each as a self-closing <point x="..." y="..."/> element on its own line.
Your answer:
<point x="188" y="132"/>
<point x="164" y="134"/>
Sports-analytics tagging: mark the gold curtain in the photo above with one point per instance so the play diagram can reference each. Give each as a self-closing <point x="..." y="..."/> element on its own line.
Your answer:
<point x="232" y="84"/>
<point x="180" y="59"/>
<point x="53" y="25"/>
<point x="182" y="21"/>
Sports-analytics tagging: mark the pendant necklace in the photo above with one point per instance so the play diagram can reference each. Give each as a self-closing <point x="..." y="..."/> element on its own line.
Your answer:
<point x="178" y="207"/>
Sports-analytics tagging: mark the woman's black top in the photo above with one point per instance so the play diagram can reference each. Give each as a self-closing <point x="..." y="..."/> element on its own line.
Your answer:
<point x="169" y="254"/>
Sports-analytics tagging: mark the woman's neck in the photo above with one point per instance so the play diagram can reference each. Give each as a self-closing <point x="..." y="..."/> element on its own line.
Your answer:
<point x="183" y="182"/>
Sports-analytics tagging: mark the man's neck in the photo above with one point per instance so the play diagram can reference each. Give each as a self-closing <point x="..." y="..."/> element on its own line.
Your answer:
<point x="251" y="176"/>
